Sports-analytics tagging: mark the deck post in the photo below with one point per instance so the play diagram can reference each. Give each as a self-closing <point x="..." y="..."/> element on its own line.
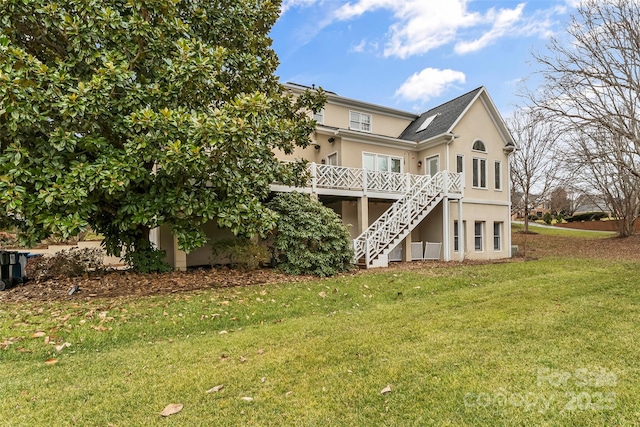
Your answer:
<point x="363" y="214"/>
<point x="461" y="232"/>
<point x="314" y="177"/>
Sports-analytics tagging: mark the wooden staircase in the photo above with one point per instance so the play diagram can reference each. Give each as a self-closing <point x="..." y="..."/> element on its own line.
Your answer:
<point x="373" y="246"/>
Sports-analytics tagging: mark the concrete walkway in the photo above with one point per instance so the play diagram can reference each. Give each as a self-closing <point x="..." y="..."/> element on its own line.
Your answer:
<point x="560" y="228"/>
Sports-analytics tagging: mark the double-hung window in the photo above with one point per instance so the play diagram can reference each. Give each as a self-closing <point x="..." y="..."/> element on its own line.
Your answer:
<point x="319" y="117"/>
<point x="359" y="121"/>
<point x="497" y="173"/>
<point x="456" y="236"/>
<point x="459" y="163"/>
<point x="478" y="235"/>
<point x="479" y="172"/>
<point x="497" y="236"/>
<point x="479" y="165"/>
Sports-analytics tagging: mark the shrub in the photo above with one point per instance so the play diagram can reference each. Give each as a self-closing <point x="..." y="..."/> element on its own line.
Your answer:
<point x="587" y="216"/>
<point x="147" y="259"/>
<point x="67" y="263"/>
<point x="241" y="253"/>
<point x="547" y="218"/>
<point x="309" y="238"/>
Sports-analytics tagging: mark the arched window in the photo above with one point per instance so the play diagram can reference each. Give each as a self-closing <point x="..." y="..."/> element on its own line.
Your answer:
<point x="479" y="146"/>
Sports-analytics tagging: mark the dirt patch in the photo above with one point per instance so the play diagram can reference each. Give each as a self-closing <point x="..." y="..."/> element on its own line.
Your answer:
<point x="541" y="245"/>
<point x="124" y="284"/>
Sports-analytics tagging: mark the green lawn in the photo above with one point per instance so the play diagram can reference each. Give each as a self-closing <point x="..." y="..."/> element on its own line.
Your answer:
<point x="546" y="343"/>
<point x="563" y="232"/>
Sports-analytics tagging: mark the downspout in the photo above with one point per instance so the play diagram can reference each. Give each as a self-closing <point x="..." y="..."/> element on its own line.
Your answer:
<point x="509" y="149"/>
<point x="452" y="136"/>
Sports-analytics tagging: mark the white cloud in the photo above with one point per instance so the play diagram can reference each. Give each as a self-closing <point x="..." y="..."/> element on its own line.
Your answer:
<point x="423" y="25"/>
<point x="503" y="21"/>
<point x="289" y="4"/>
<point x="429" y="83"/>
<point x="359" y="47"/>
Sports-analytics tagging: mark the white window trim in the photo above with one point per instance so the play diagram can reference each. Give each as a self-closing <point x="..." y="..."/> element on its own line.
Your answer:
<point x="426" y="162"/>
<point x="479" y="151"/>
<point x="337" y="157"/>
<point x="456" y="235"/>
<point x="360" y="123"/>
<point x="486" y="173"/>
<point x="497" y="162"/>
<point x="475" y="236"/>
<point x="319" y="114"/>
<point x="389" y="156"/>
<point x="460" y="156"/>
<point x="500" y="234"/>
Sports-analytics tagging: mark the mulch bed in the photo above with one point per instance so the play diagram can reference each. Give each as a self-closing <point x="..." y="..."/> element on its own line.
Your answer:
<point x="123" y="283"/>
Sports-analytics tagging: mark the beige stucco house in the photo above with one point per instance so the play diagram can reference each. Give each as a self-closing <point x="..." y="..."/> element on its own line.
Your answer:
<point x="429" y="186"/>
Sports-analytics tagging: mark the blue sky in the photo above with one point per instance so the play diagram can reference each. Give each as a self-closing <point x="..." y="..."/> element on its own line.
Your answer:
<point x="415" y="54"/>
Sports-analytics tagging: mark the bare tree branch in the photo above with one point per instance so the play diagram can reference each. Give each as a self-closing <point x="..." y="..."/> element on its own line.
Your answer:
<point x="591" y="90"/>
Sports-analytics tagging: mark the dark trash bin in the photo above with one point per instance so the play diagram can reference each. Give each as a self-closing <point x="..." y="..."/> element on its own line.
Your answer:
<point x="12" y="268"/>
<point x="5" y="270"/>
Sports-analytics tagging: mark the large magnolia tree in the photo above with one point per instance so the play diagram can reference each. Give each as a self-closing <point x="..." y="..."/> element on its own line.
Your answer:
<point x="122" y="115"/>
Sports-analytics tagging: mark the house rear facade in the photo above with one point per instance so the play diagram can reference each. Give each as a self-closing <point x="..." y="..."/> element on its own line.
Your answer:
<point x="428" y="186"/>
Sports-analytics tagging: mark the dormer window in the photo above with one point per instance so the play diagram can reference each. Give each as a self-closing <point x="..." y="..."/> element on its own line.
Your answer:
<point x="479" y="146"/>
<point x="359" y="121"/>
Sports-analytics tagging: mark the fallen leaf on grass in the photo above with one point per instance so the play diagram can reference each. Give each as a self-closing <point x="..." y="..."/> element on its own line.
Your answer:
<point x="62" y="346"/>
<point x="38" y="334"/>
<point x="386" y="390"/>
<point x="51" y="361"/>
<point x="247" y="399"/>
<point x="261" y="351"/>
<point x="20" y="324"/>
<point x="171" y="409"/>
<point x="215" y="389"/>
<point x="243" y="359"/>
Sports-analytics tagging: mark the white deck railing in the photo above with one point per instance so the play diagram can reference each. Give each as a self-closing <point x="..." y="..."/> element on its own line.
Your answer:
<point x="344" y="178"/>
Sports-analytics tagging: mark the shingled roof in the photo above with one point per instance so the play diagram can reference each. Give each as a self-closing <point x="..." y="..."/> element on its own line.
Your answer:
<point x="445" y="116"/>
